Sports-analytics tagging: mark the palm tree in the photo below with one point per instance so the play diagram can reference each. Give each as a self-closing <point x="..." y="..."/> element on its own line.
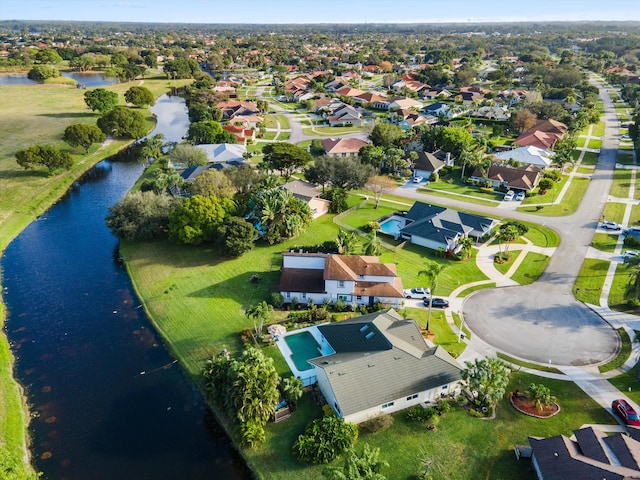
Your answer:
<point x="489" y="377"/>
<point x="431" y="271"/>
<point x="466" y="244"/>
<point x="372" y="246"/>
<point x="541" y="396"/>
<point x="633" y="287"/>
<point x="346" y="242"/>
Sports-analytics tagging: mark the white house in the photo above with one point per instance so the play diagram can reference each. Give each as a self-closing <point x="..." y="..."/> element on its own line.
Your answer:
<point x="382" y="364"/>
<point x="352" y="278"/>
<point x="529" y="155"/>
<point x="308" y="192"/>
<point x="223" y="152"/>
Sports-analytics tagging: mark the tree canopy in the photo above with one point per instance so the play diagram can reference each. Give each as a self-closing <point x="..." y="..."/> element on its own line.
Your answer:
<point x="285" y="157"/>
<point x="188" y="155"/>
<point x="139" y="96"/>
<point x="196" y="220"/>
<point x="324" y="439"/>
<point x="140" y="216"/>
<point x="213" y="182"/>
<point x="238" y="234"/>
<point x="489" y="377"/>
<point x="281" y="214"/>
<point x="43" y="71"/>
<point x="204" y="132"/>
<point x="43" y="155"/>
<point x="101" y="100"/>
<point x="82" y="135"/>
<point x="123" y="122"/>
<point x="386" y="135"/>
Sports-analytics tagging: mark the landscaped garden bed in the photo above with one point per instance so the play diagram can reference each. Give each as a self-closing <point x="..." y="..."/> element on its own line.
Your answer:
<point x="526" y="405"/>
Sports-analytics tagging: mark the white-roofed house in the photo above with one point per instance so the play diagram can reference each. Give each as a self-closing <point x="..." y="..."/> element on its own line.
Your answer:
<point x="529" y="155"/>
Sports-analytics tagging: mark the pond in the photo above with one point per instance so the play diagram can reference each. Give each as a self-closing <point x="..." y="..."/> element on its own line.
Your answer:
<point x="89" y="79"/>
<point x="110" y="402"/>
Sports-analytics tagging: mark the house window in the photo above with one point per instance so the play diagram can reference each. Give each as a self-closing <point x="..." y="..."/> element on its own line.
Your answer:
<point x="288" y="294"/>
<point x="340" y="283"/>
<point x="359" y="297"/>
<point x="412" y="397"/>
<point x="343" y="298"/>
<point x="360" y="276"/>
<point x="304" y="295"/>
<point x="387" y="405"/>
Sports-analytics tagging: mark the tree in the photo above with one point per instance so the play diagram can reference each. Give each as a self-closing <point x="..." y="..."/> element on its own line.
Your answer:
<point x="101" y="100"/>
<point x="197" y="219"/>
<point x="466" y="244"/>
<point x="379" y="185"/>
<point x="338" y="198"/>
<point x="346" y="242"/>
<point x="523" y="119"/>
<point x="431" y="270"/>
<point x="285" y="157"/>
<point x="243" y="177"/>
<point x="507" y="234"/>
<point x="292" y="389"/>
<point x="259" y="313"/>
<point x="188" y="155"/>
<point x="152" y="147"/>
<point x="162" y="180"/>
<point x="321" y="171"/>
<point x="541" y="396"/>
<point x="204" y="132"/>
<point x="363" y="465"/>
<point x="181" y="68"/>
<point x="563" y="152"/>
<point x="386" y="135"/>
<point x="324" y="439"/>
<point x="545" y="184"/>
<point x="123" y="122"/>
<point x="238" y="234"/>
<point x="140" y="216"/>
<point x="82" y="135"/>
<point x="489" y="377"/>
<point x="48" y="55"/>
<point x="456" y="139"/>
<point x="281" y="214"/>
<point x="372" y="155"/>
<point x="372" y="246"/>
<point x="42" y="72"/>
<point x="213" y="182"/>
<point x="139" y="96"/>
<point x="44" y="155"/>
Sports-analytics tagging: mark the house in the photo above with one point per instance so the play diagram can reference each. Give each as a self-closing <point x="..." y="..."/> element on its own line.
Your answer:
<point x="223" y="152"/>
<point x="544" y="134"/>
<point x="308" y="192"/>
<point x="428" y="163"/>
<point x="242" y="112"/>
<point x="405" y="103"/>
<point x="510" y="177"/>
<point x="491" y="113"/>
<point x="360" y="279"/>
<point x="349" y="92"/>
<point x="344" y="115"/>
<point x="528" y="156"/>
<point x="589" y="455"/>
<point x="342" y="147"/>
<point x="438" y="110"/>
<point x="435" y="93"/>
<point x="382" y="364"/>
<point x="243" y="135"/>
<point x="368" y="97"/>
<point x="440" y="228"/>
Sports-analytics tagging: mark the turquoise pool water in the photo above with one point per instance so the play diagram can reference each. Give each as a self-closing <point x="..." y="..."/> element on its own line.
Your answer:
<point x="392" y="226"/>
<point x="303" y="347"/>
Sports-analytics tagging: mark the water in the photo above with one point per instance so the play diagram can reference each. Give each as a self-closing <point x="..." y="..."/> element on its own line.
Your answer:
<point x="90" y="80"/>
<point x="111" y="402"/>
<point x="392" y="226"/>
<point x="304" y="348"/>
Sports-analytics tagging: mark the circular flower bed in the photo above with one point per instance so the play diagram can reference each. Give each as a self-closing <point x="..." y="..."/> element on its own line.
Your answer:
<point x="525" y="405"/>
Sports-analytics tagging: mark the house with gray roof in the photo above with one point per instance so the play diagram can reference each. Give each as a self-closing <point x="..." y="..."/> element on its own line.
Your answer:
<point x="382" y="364"/>
<point x="439" y="228"/>
<point x="589" y="455"/>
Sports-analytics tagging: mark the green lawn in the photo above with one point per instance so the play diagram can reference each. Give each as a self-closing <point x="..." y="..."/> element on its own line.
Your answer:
<point x="568" y="205"/>
<point x="617" y="299"/>
<point x="623" y="355"/>
<point x="580" y="141"/>
<point x="595" y="143"/>
<point x="634" y="218"/>
<point x="467" y="198"/>
<point x="270" y="121"/>
<point x="549" y="196"/>
<point x="462" y="189"/>
<point x="444" y="336"/>
<point x="628" y="383"/>
<point x="284" y="122"/>
<point x="589" y="158"/>
<point x="590" y="280"/>
<point x="585" y="170"/>
<point x="327" y="131"/>
<point x="531" y="268"/>
<point x="625" y="158"/>
<point x="605" y="242"/>
<point x="621" y="183"/>
<point x="614" y="211"/>
<point x="522" y="363"/>
<point x="598" y="129"/>
<point x="542" y="236"/>
<point x="470" y="290"/>
<point x="503" y="268"/>
<point x="368" y="213"/>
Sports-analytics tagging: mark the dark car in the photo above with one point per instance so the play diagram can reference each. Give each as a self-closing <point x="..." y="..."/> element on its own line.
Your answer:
<point x="626" y="412"/>
<point x="437" y="303"/>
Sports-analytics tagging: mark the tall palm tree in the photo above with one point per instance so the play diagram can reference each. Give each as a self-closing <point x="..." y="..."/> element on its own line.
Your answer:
<point x="372" y="246"/>
<point x="431" y="271"/>
<point x="466" y="243"/>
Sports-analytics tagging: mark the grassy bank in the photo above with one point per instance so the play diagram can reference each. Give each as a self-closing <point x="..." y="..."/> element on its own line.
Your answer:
<point x="39" y="114"/>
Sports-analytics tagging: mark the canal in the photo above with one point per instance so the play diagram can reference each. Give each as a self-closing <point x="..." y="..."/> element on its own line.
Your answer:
<point x="108" y="400"/>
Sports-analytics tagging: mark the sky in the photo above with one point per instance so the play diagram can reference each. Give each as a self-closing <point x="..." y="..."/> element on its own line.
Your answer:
<point x="320" y="11"/>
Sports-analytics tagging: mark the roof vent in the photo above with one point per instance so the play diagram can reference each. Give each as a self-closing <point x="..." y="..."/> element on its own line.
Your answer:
<point x="364" y="328"/>
<point x="369" y="335"/>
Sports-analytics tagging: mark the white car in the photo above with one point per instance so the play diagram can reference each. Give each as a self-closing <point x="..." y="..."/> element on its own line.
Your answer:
<point x="610" y="225"/>
<point x="417" y="293"/>
<point x="417" y="179"/>
<point x="520" y="196"/>
<point x="629" y="254"/>
<point x="509" y="196"/>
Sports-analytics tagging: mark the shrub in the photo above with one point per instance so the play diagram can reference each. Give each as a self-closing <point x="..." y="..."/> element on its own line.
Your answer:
<point x="486" y="189"/>
<point x="434" y="177"/>
<point x="631" y="241"/>
<point x="419" y="414"/>
<point x="443" y="407"/>
<point x="252" y="433"/>
<point x="376" y="424"/>
<point x="276" y="300"/>
<point x="371" y="226"/>
<point x="324" y="439"/>
<point x="553" y="175"/>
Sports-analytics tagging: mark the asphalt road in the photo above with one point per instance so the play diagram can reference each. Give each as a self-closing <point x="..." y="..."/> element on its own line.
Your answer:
<point x="543" y="322"/>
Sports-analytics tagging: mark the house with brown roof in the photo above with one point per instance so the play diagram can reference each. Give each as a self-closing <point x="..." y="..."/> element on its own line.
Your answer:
<point x="368" y="97"/>
<point x="342" y="147"/>
<point x="544" y="134"/>
<point x="243" y="135"/>
<point x="352" y="278"/>
<point x="589" y="455"/>
<point x="349" y="92"/>
<point x="309" y="193"/>
<point x="510" y="177"/>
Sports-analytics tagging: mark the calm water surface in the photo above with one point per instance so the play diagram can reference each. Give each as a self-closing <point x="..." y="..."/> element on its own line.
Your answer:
<point x="90" y="79"/>
<point x="110" y="401"/>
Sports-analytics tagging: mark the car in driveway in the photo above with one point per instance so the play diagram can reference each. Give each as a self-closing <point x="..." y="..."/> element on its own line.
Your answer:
<point x="632" y="231"/>
<point x="626" y="412"/>
<point x="629" y="254"/>
<point x="520" y="196"/>
<point x="509" y="196"/>
<point x="437" y="303"/>
<point x="417" y="293"/>
<point x="610" y="225"/>
<point x="417" y="179"/>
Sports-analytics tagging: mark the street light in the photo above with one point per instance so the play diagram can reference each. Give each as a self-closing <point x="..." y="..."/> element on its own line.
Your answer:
<point x="461" y="325"/>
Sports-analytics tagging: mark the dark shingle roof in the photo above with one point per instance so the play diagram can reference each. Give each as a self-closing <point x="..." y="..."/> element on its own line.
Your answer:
<point x="302" y="280"/>
<point x="626" y="449"/>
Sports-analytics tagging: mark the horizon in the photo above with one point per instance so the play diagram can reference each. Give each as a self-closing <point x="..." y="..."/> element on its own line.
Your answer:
<point x="332" y="12"/>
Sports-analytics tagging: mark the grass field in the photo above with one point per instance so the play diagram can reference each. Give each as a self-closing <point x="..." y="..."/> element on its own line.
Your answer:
<point x="614" y="211"/>
<point x="617" y="300"/>
<point x="324" y="131"/>
<point x="605" y="242"/>
<point x="531" y="268"/>
<point x="589" y="158"/>
<point x="590" y="280"/>
<point x="623" y="355"/>
<point x="504" y="267"/>
<point x="621" y="183"/>
<point x="475" y="288"/>
<point x="568" y="205"/>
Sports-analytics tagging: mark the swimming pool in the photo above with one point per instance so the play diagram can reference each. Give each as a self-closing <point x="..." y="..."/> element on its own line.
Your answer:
<point x="393" y="225"/>
<point x="303" y="347"/>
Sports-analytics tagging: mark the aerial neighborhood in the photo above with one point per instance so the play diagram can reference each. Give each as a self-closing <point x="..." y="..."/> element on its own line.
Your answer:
<point x="404" y="254"/>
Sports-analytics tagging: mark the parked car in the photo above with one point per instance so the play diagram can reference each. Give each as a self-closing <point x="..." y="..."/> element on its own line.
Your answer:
<point x="629" y="254"/>
<point x="610" y="225"/>
<point x="509" y="196"/>
<point x="417" y="179"/>
<point x="417" y="293"/>
<point x="626" y="412"/>
<point x="626" y="137"/>
<point x="437" y="302"/>
<point x="632" y="230"/>
<point x="520" y="196"/>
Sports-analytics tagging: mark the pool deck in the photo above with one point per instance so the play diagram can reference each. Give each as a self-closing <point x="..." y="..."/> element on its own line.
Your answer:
<point x="308" y="377"/>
